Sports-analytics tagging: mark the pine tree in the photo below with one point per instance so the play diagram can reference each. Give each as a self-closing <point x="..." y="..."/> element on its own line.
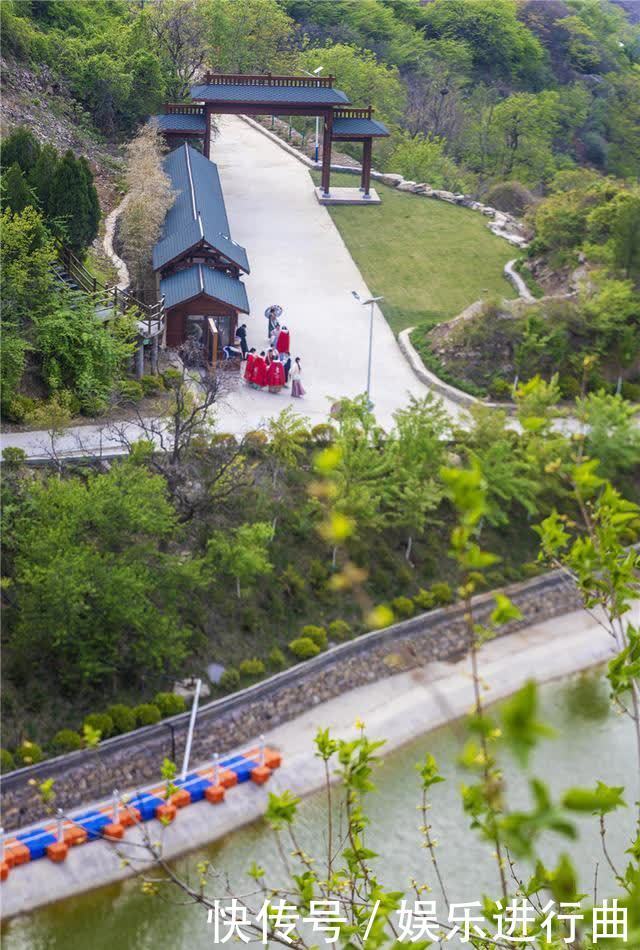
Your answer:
<point x="16" y="193"/>
<point x="73" y="202"/>
<point x="42" y="174"/>
<point x="22" y="147"/>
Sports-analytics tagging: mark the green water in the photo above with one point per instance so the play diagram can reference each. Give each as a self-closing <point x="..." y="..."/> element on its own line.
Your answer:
<point x="592" y="743"/>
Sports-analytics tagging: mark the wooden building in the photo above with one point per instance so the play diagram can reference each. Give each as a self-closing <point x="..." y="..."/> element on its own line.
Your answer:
<point x="197" y="263"/>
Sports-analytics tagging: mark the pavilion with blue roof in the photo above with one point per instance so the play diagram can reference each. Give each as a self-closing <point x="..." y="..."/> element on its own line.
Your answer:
<point x="197" y="262"/>
<point x="233" y="94"/>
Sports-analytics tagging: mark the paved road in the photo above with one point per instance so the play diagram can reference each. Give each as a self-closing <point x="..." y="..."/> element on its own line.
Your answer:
<point x="299" y="260"/>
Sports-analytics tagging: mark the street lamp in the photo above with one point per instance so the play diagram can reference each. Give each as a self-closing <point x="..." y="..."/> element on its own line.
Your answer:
<point x="370" y="301"/>
<point x="315" y="72"/>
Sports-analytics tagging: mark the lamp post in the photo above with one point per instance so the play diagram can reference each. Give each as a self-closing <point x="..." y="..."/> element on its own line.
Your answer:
<point x="370" y="301"/>
<point x="315" y="72"/>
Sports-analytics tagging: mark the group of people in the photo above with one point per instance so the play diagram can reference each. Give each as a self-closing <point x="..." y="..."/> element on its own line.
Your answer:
<point x="273" y="368"/>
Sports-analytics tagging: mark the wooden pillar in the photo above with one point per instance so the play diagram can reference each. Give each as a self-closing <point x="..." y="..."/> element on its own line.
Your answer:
<point x="327" y="138"/>
<point x="365" y="181"/>
<point x="207" y="134"/>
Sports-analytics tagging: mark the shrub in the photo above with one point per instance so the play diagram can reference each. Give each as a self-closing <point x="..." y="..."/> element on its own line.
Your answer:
<point x="340" y="630"/>
<point x="66" y="740"/>
<point x="569" y="387"/>
<point x="123" y="718"/>
<point x="102" y="722"/>
<point x="254" y="442"/>
<point x="7" y="763"/>
<point x="442" y="593"/>
<point x="28" y="753"/>
<point x="304" y="648"/>
<point x="292" y="583"/>
<point x="19" y="409"/>
<point x="169" y="704"/>
<point x="501" y="388"/>
<point x="151" y="385"/>
<point x="172" y="378"/>
<point x="230" y="680"/>
<point x="630" y="391"/>
<point x="277" y="659"/>
<point x="323" y="433"/>
<point x="252" y="667"/>
<point x="402" y="607"/>
<point x="13" y="457"/>
<point x="317" y="635"/>
<point x="131" y="391"/>
<point x="317" y="574"/>
<point x="424" y="599"/>
<point x="147" y="714"/>
<point x="510" y="196"/>
<point x="250" y="619"/>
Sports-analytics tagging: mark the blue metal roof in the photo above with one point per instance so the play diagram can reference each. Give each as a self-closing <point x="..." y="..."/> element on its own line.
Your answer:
<point x="200" y="279"/>
<point x="296" y="95"/>
<point x="177" y="122"/>
<point x="198" y="213"/>
<point x="359" y="127"/>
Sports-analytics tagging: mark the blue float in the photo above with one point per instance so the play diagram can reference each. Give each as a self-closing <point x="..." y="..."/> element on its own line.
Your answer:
<point x="37" y="841"/>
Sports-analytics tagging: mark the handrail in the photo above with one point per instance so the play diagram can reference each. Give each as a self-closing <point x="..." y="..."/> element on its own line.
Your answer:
<point x="106" y="296"/>
<point x="353" y="113"/>
<point x="183" y="108"/>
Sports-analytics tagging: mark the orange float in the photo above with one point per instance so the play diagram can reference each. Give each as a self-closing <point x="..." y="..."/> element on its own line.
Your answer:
<point x="57" y="851"/>
<point x="181" y="798"/>
<point x="113" y="830"/>
<point x="215" y="794"/>
<point x="260" y="774"/>
<point x="166" y="812"/>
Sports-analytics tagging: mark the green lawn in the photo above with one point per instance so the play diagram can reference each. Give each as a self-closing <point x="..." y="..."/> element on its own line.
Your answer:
<point x="428" y="258"/>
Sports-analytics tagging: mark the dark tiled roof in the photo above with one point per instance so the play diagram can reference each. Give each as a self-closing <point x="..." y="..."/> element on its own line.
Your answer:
<point x="296" y="95"/>
<point x="176" y="122"/>
<point x="359" y="127"/>
<point x="198" y="212"/>
<point x="200" y="279"/>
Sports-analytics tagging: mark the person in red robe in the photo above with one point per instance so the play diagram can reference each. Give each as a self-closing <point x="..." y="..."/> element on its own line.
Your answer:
<point x="251" y="355"/>
<point x="259" y="371"/>
<point x="275" y="375"/>
<point x="283" y="343"/>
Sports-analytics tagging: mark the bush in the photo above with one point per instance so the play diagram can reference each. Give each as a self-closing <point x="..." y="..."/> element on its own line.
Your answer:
<point x="229" y="680"/>
<point x="102" y="722"/>
<point x="402" y="607"/>
<point x="442" y="593"/>
<point x="317" y="574"/>
<point x="66" y="740"/>
<point x="152" y="385"/>
<point x="292" y="584"/>
<point x="340" y="630"/>
<point x="569" y="387"/>
<point x="19" y="408"/>
<point x="252" y="667"/>
<point x="28" y="753"/>
<point x="147" y="714"/>
<point x="172" y="378"/>
<point x="510" y="197"/>
<point x="7" y="763"/>
<point x="131" y="391"/>
<point x="304" y="648"/>
<point x="424" y="600"/>
<point x="169" y="704"/>
<point x="123" y="718"/>
<point x="630" y="391"/>
<point x="501" y="388"/>
<point x="277" y="659"/>
<point x="317" y="635"/>
<point x="250" y="619"/>
<point x="323" y="433"/>
<point x="254" y="442"/>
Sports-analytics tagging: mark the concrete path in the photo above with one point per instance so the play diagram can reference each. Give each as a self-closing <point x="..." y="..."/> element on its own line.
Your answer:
<point x="398" y="709"/>
<point x="298" y="260"/>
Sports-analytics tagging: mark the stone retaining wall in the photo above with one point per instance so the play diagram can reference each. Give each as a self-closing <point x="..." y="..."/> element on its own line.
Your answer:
<point x="134" y="760"/>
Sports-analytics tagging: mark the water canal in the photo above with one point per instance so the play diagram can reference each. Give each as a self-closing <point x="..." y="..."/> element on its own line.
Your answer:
<point x="592" y="742"/>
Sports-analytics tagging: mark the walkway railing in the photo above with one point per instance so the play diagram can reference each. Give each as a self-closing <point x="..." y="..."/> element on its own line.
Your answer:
<point x="266" y="79"/>
<point x="353" y="113"/>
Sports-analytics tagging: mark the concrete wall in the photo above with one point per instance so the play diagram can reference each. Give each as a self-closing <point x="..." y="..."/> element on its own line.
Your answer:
<point x="134" y="759"/>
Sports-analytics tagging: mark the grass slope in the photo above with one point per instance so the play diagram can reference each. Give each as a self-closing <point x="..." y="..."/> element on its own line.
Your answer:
<point x="428" y="258"/>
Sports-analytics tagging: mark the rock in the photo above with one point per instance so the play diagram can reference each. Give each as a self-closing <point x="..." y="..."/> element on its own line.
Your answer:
<point x="489" y="211"/>
<point x="420" y="189"/>
<point x="187" y="689"/>
<point x="390" y="179"/>
<point x="459" y="199"/>
<point x="444" y="195"/>
<point x="407" y="185"/>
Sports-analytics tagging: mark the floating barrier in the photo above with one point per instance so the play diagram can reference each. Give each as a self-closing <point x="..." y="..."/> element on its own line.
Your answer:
<point x="110" y="821"/>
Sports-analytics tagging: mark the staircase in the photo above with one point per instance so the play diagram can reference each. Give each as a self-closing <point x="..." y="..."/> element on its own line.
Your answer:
<point x="108" y="301"/>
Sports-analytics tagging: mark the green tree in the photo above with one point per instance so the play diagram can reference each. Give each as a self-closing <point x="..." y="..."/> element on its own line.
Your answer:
<point x="611" y="433"/>
<point x="97" y="595"/>
<point x="253" y="37"/>
<point x="20" y="146"/>
<point x="288" y="434"/>
<point x="242" y="554"/>
<point x="626" y="236"/>
<point x="14" y="190"/>
<point x="423" y="158"/>
<point x="417" y="448"/>
<point x="73" y="202"/>
<point x="42" y="174"/>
